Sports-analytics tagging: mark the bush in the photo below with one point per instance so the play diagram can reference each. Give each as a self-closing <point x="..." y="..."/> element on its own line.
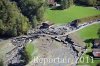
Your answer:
<point x="98" y="64"/>
<point x="1" y="63"/>
<point x="31" y="51"/>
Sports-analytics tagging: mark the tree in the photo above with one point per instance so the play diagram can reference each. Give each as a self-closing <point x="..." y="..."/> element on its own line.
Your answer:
<point x="1" y="63"/>
<point x="40" y="13"/>
<point x="90" y="2"/>
<point x="98" y="64"/>
<point x="16" y="16"/>
<point x="66" y="3"/>
<point x="71" y="2"/>
<point x="1" y="27"/>
<point x="34" y="22"/>
<point x="98" y="33"/>
<point x="31" y="8"/>
<point x="98" y="2"/>
<point x="12" y="22"/>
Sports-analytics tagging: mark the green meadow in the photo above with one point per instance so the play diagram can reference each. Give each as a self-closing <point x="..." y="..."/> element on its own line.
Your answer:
<point x="68" y="15"/>
<point x="89" y="32"/>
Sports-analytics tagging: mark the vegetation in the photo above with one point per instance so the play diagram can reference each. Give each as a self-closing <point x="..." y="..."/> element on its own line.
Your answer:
<point x="12" y="22"/>
<point x="66" y="3"/>
<point x="87" y="60"/>
<point x="17" y="16"/>
<point x="1" y="63"/>
<point x="33" y="9"/>
<point x="68" y="15"/>
<point x="31" y="50"/>
<point x="90" y="2"/>
<point x="88" y="19"/>
<point x="16" y="19"/>
<point x="98" y="32"/>
<point x="89" y="32"/>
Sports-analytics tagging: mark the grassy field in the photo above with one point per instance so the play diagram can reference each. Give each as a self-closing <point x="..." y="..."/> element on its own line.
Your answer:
<point x="89" y="33"/>
<point x="68" y="15"/>
<point x="31" y="50"/>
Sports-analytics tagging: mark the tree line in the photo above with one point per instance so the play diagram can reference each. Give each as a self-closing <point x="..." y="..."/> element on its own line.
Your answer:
<point x="90" y="2"/>
<point x="67" y="3"/>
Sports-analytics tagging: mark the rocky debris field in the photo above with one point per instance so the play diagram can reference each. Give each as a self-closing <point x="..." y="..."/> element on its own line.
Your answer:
<point x="51" y="42"/>
<point x="50" y="47"/>
<point x="17" y="56"/>
<point x="60" y="30"/>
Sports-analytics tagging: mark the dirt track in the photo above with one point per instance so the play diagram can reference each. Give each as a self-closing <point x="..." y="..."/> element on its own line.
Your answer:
<point x="77" y="40"/>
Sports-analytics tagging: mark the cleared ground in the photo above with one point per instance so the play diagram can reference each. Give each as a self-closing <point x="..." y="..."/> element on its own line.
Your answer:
<point x="68" y="15"/>
<point x="5" y="47"/>
<point x="51" y="49"/>
<point x="77" y="40"/>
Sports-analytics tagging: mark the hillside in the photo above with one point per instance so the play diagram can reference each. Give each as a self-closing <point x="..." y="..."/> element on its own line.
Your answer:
<point x="49" y="32"/>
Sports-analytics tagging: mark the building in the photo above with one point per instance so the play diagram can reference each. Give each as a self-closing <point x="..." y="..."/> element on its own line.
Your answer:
<point x="96" y="53"/>
<point x="96" y="43"/>
<point x="96" y="48"/>
<point x="54" y="2"/>
<point x="97" y="7"/>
